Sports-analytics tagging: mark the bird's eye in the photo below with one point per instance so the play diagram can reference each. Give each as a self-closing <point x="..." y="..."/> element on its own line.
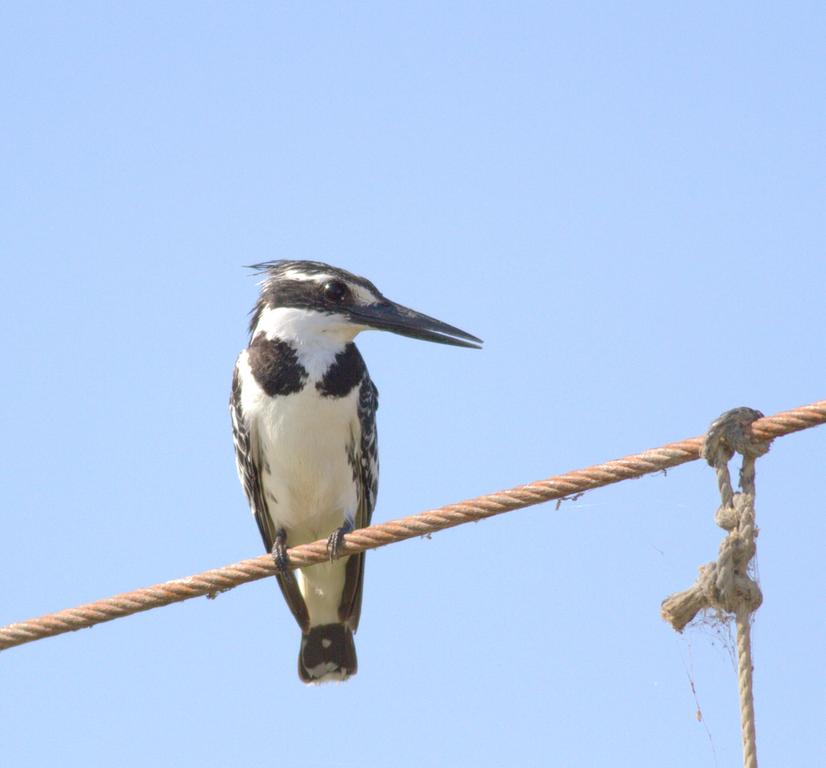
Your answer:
<point x="335" y="290"/>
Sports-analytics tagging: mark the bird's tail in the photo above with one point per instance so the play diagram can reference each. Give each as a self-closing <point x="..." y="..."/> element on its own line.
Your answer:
<point x="327" y="653"/>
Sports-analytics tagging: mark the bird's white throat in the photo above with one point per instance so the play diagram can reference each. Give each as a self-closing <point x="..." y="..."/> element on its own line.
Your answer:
<point x="317" y="337"/>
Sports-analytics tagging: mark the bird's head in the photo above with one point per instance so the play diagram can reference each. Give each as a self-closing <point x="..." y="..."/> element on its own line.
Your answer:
<point x="311" y="298"/>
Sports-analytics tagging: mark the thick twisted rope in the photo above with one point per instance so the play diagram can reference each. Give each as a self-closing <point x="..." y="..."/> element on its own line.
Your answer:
<point x="559" y="487"/>
<point x="726" y="586"/>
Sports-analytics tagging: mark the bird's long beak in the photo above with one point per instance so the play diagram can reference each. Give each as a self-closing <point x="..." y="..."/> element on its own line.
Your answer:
<point x="389" y="316"/>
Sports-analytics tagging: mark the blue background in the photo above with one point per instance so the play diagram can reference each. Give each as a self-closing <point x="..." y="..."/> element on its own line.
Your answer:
<point x="626" y="201"/>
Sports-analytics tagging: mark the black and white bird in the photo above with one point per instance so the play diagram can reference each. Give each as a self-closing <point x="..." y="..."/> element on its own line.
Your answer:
<point x="304" y="425"/>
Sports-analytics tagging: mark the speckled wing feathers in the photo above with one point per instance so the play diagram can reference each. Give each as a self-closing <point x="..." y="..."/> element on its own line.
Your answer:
<point x="367" y="475"/>
<point x="247" y="464"/>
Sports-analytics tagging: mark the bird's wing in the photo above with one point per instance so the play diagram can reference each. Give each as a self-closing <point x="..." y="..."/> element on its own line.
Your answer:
<point x="247" y="461"/>
<point x="367" y="471"/>
<point x="369" y="485"/>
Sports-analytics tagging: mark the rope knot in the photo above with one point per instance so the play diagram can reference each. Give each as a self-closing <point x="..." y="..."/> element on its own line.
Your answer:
<point x="730" y="434"/>
<point x="732" y="587"/>
<point x="726" y="586"/>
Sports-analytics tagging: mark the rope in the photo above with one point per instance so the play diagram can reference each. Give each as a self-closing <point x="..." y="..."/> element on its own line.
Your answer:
<point x="726" y="586"/>
<point x="559" y="487"/>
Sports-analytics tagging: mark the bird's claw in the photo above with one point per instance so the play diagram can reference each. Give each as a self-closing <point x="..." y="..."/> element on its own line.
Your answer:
<point x="336" y="540"/>
<point x="279" y="552"/>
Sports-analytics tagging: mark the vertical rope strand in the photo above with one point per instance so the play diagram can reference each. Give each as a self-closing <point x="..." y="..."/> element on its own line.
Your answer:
<point x="745" y="667"/>
<point x="745" y="684"/>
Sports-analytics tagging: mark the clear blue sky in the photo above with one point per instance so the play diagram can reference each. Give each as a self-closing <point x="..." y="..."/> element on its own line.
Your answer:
<point x="626" y="201"/>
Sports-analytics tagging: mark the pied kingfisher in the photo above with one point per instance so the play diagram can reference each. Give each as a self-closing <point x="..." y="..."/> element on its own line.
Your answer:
<point x="304" y="425"/>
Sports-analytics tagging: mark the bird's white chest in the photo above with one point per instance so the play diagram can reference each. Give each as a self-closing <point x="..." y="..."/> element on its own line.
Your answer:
<point x="306" y="443"/>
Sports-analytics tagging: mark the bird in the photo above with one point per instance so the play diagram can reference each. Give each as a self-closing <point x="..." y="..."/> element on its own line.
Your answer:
<point x="303" y="412"/>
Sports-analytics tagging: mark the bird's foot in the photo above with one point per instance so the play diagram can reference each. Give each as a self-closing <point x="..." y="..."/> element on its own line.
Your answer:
<point x="336" y="540"/>
<point x="279" y="552"/>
